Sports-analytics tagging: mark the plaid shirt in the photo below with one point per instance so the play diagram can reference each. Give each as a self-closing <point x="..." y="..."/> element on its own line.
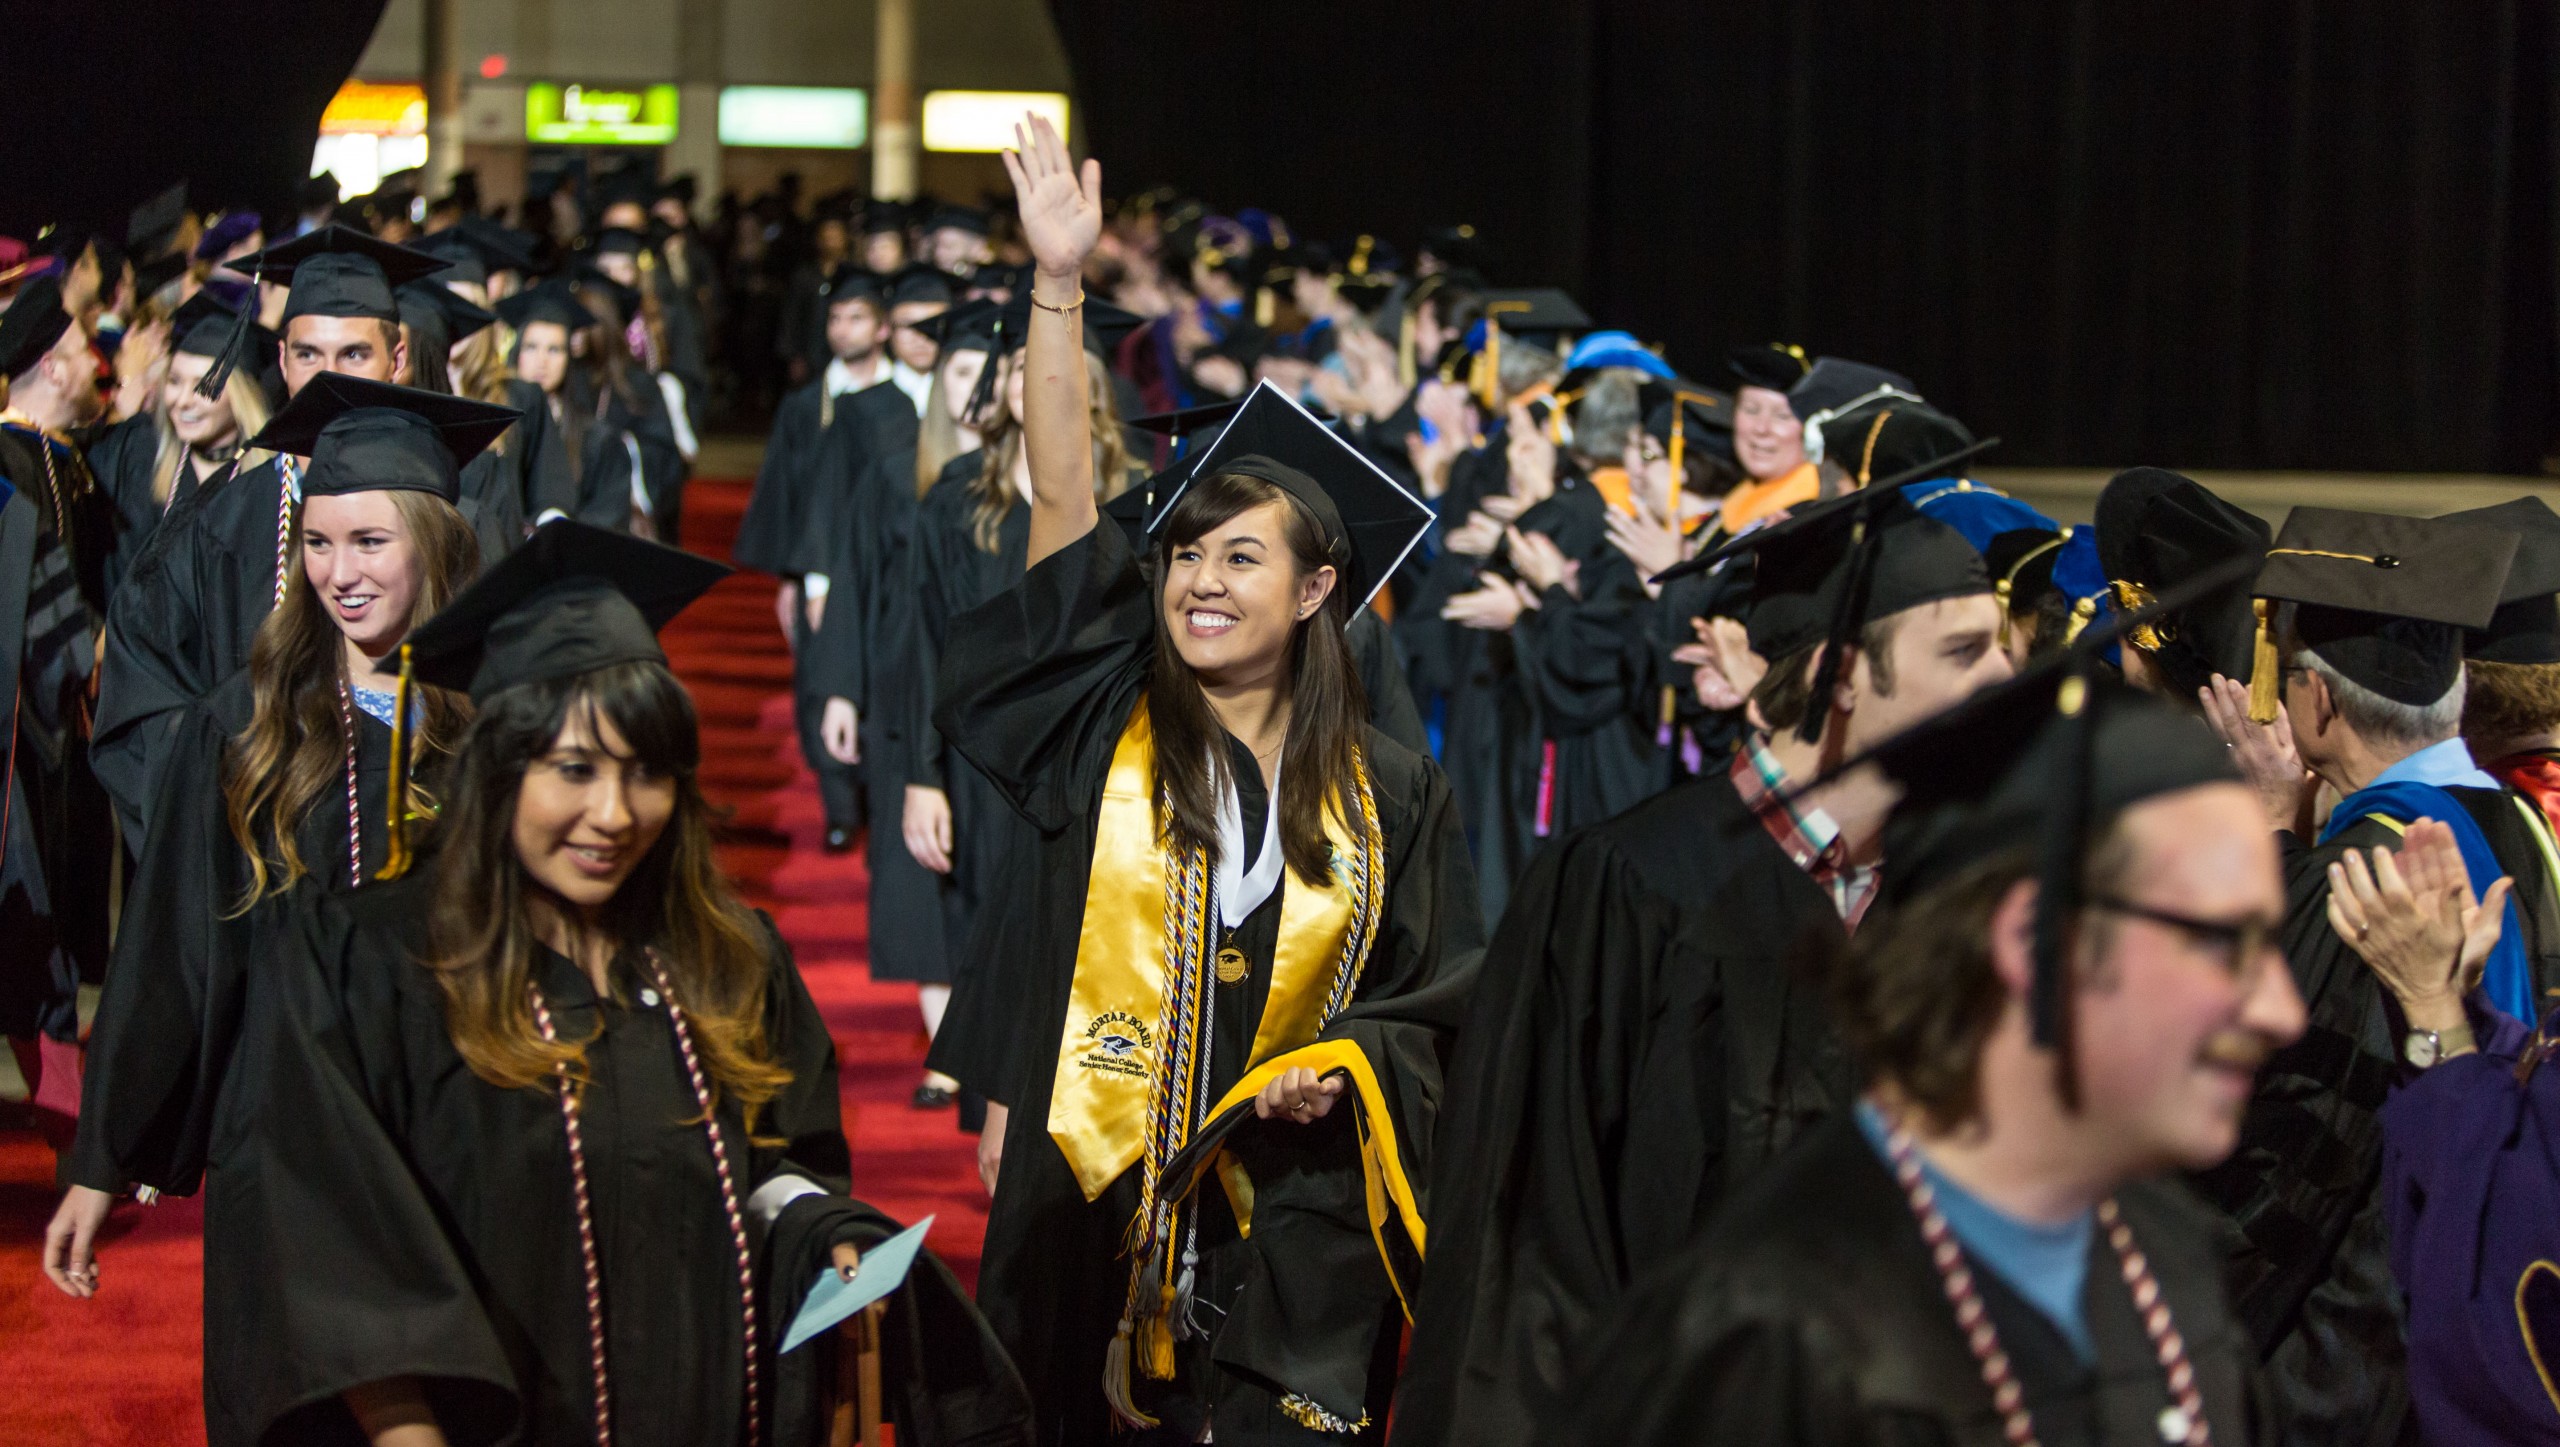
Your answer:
<point x="1809" y="837"/>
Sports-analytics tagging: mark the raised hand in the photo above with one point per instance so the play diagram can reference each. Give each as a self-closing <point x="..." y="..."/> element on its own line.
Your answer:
<point x="1061" y="206"/>
<point x="2263" y="753"/>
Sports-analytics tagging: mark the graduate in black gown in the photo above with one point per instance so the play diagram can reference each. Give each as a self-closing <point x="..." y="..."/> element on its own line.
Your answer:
<point x="193" y="599"/>
<point x="592" y="1107"/>
<point x="2060" y="1001"/>
<point x="433" y="319"/>
<point x="2365" y="669"/>
<point x="284" y="776"/>
<point x="153" y="461"/>
<point x="1639" y="1046"/>
<point x="1288" y="1017"/>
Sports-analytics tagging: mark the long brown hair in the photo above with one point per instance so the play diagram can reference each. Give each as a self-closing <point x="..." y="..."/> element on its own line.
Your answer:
<point x="1328" y="710"/>
<point x="293" y="751"/>
<point x="483" y="373"/>
<point x="993" y="493"/>
<point x="938" y="438"/>
<point x="481" y="935"/>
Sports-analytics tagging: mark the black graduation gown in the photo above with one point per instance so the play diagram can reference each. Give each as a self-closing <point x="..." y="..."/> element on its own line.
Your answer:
<point x="1810" y="1316"/>
<point x="545" y="471"/>
<point x="123" y="458"/>
<point x="1640" y="1043"/>
<point x="1035" y="689"/>
<point x="840" y="520"/>
<point x="769" y="532"/>
<point x="186" y="964"/>
<point x="1583" y="662"/>
<point x="39" y="978"/>
<point x="459" y="1261"/>
<point x="2310" y="1268"/>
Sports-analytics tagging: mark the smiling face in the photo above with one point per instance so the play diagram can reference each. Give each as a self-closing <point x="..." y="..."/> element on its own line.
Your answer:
<point x="2171" y="1025"/>
<point x="359" y="557"/>
<point x="201" y="422"/>
<point x="1234" y="596"/>
<point x="588" y="812"/>
<point x="1768" y="437"/>
<point x="352" y="346"/>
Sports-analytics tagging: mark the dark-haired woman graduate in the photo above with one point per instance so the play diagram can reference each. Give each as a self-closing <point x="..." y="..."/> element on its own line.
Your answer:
<point x="1250" y="919"/>
<point x="591" y="1105"/>
<point x="280" y="776"/>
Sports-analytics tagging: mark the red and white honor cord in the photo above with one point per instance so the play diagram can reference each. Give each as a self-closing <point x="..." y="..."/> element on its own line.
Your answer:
<point x="2181" y="1422"/>
<point x="355" y="815"/>
<point x="586" y="1211"/>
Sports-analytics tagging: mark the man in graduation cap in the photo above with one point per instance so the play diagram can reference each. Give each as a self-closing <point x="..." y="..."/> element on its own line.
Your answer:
<point x="955" y="240"/>
<point x="822" y="435"/>
<point x="2062" y="1000"/>
<point x="2366" y="619"/>
<point x="55" y="529"/>
<point x="193" y="601"/>
<point x="1637" y="1046"/>
<point x="916" y="296"/>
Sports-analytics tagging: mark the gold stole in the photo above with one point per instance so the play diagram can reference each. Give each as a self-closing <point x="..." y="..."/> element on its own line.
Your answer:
<point x="1117" y="1041"/>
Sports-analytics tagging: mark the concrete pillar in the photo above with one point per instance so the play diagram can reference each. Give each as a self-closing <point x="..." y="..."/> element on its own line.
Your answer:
<point x="895" y="141"/>
<point x="701" y="66"/>
<point x="440" y="56"/>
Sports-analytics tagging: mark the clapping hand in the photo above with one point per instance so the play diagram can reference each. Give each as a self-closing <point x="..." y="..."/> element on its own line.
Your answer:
<point x="2412" y="920"/>
<point x="1061" y="205"/>
<point x="1652" y="546"/>
<point x="2263" y="753"/>
<point x="1491" y="608"/>
<point x="1725" y="668"/>
<point x="1539" y="562"/>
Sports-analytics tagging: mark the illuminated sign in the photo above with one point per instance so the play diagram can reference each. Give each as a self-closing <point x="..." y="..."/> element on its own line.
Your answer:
<point x="362" y="108"/>
<point x="983" y="120"/>
<point x="816" y="117"/>
<point x="595" y="115"/>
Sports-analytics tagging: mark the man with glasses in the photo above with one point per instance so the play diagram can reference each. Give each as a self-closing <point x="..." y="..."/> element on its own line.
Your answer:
<point x="2365" y="613"/>
<point x="2062" y="999"/>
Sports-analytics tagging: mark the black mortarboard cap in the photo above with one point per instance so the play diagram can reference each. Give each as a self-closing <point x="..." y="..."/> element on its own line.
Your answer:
<point x="880" y="216"/>
<point x="919" y="283"/>
<point x="150" y="276"/>
<point x="1370" y="522"/>
<point x="572" y="599"/>
<point x="850" y="281"/>
<point x="154" y="223"/>
<point x="2157" y="529"/>
<point x="501" y="247"/>
<point x="2526" y="627"/>
<point x="338" y="271"/>
<point x="463" y="261"/>
<point x="2384" y="599"/>
<point x="997" y="277"/>
<point x="553" y="301"/>
<point x="434" y="303"/>
<point x="1541" y="311"/>
<point x="620" y="240"/>
<point x="970" y="326"/>
<point x="34" y="321"/>
<point x="959" y="218"/>
<point x="203" y="327"/>
<point x="1892" y="436"/>
<point x="1452" y="246"/>
<point x="368" y="436"/>
<point x="1835" y="387"/>
<point x="1774" y="366"/>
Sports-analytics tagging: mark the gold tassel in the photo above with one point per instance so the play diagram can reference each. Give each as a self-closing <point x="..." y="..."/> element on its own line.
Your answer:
<point x="1405" y="370"/>
<point x="2000" y="592"/>
<point x="1264" y="308"/>
<point x="1156" y="1336"/>
<point x="396" y="859"/>
<point x="2081" y="614"/>
<point x="2265" y="678"/>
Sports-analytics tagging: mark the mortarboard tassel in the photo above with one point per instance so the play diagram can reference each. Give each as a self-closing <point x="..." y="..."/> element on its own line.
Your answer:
<point x="1846" y="615"/>
<point x="2266" y="678"/>
<point x="1359" y="263"/>
<point x="1265" y="307"/>
<point x="396" y="859"/>
<point x="1488" y="378"/>
<point x="1405" y="369"/>
<point x="985" y="391"/>
<point x="235" y="348"/>
<point x="2058" y="882"/>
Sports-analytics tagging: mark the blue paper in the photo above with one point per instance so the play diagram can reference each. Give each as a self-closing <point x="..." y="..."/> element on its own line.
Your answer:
<point x="883" y="1270"/>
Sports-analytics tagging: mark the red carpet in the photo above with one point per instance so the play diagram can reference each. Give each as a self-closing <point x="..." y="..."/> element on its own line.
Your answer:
<point x="124" y="1368"/>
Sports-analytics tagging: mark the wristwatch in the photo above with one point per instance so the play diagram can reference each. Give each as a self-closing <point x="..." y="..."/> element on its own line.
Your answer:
<point x="2423" y="1048"/>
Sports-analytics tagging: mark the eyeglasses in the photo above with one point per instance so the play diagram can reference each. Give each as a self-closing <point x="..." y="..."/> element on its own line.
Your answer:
<point x="2244" y="945"/>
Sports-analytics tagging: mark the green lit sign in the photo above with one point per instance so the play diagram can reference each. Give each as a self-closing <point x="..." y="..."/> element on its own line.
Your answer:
<point x="595" y="115"/>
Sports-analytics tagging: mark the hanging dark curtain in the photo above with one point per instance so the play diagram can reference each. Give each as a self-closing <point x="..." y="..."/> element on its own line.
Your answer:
<point x="2296" y="235"/>
<point x="111" y="102"/>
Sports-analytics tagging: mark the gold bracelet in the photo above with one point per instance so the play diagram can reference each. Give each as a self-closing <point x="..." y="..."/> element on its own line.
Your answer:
<point x="1075" y="305"/>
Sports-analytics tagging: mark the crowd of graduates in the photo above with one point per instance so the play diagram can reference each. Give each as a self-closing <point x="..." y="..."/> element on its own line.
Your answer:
<point x="1472" y="879"/>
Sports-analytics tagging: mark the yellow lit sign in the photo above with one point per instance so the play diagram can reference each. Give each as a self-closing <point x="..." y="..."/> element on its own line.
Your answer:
<point x="363" y="108"/>
<point x="983" y="120"/>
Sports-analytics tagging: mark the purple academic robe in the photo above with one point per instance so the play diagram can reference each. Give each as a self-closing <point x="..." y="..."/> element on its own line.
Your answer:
<point x="2471" y="1182"/>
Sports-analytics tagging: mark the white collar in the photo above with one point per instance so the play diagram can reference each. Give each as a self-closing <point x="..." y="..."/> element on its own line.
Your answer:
<point x="917" y="385"/>
<point x="840" y="377"/>
<point x="1242" y="891"/>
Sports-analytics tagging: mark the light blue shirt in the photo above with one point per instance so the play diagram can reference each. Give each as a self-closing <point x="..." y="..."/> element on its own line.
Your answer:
<point x="2445" y="765"/>
<point x="2046" y="1265"/>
